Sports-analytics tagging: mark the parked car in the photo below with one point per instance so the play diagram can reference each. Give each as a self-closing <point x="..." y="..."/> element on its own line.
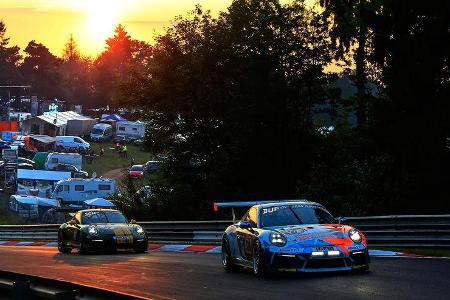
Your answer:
<point x="152" y="166"/>
<point x="25" y="166"/>
<point x="101" y="132"/>
<point x="137" y="172"/>
<point x="24" y="160"/>
<point x="100" y="230"/>
<point x="71" y="142"/>
<point x="76" y="173"/>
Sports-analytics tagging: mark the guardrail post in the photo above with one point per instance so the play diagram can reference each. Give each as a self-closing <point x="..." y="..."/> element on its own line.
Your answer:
<point x="21" y="290"/>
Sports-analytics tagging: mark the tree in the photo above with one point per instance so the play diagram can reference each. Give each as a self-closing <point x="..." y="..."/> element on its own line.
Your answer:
<point x="40" y="68"/>
<point x="9" y="59"/>
<point x="114" y="65"/>
<point x="229" y="102"/>
<point x="76" y="73"/>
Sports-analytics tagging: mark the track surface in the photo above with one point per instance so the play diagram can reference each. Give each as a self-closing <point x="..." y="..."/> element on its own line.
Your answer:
<point x="169" y="275"/>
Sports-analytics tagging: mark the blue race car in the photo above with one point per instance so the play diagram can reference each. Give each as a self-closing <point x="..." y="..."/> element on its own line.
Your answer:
<point x="291" y="235"/>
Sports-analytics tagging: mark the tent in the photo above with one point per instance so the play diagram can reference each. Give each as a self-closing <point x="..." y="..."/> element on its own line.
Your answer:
<point x="112" y="117"/>
<point x="99" y="202"/>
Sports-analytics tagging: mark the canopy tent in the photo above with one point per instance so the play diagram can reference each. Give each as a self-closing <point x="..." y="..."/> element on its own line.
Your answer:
<point x="37" y="201"/>
<point x="99" y="202"/>
<point x="42" y="175"/>
<point x="112" y="117"/>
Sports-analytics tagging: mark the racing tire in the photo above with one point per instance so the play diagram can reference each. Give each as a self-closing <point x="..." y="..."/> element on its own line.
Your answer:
<point x="258" y="265"/>
<point x="62" y="248"/>
<point x="227" y="263"/>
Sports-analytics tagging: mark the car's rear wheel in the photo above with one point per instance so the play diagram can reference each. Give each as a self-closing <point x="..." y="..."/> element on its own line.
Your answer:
<point x="62" y="246"/>
<point x="259" y="268"/>
<point x="226" y="256"/>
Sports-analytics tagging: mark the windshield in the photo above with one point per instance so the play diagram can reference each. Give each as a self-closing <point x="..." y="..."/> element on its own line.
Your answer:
<point x="97" y="131"/>
<point x="295" y="215"/>
<point x="98" y="217"/>
<point x="137" y="168"/>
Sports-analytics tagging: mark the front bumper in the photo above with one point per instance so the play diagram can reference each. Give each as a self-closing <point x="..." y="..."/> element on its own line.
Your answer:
<point x="110" y="243"/>
<point x="306" y="262"/>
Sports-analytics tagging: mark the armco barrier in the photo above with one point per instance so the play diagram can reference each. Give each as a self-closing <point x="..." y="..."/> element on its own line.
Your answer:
<point x="431" y="231"/>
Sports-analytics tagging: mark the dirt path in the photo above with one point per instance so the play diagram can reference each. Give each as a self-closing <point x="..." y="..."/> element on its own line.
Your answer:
<point x="115" y="174"/>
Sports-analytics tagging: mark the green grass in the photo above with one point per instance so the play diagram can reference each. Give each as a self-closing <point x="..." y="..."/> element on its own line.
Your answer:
<point x="111" y="159"/>
<point x="420" y="251"/>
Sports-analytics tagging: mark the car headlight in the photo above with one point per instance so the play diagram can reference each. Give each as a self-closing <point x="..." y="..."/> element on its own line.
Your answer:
<point x="355" y="235"/>
<point x="139" y="229"/>
<point x="277" y="239"/>
<point x="92" y="230"/>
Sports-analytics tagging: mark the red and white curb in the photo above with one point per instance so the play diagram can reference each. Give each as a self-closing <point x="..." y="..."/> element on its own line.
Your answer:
<point x="201" y="248"/>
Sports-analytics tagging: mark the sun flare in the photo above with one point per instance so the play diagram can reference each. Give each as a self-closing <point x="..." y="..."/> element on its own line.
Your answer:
<point x="101" y="18"/>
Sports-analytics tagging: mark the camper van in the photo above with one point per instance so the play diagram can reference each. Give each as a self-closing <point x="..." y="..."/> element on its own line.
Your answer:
<point x="130" y="129"/>
<point x="71" y="142"/>
<point x="76" y="190"/>
<point x="101" y="132"/>
<point x="55" y="158"/>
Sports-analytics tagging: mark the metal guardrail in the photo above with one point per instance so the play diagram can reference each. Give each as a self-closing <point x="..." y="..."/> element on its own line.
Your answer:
<point x="431" y="231"/>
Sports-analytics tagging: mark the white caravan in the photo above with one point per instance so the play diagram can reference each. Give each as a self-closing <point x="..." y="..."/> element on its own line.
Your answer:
<point x="76" y="190"/>
<point x="55" y="158"/>
<point x="130" y="129"/>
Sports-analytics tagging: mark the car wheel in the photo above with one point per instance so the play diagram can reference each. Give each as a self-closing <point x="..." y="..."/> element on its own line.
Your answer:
<point x="227" y="263"/>
<point x="141" y="249"/>
<point x="62" y="246"/>
<point x="259" y="268"/>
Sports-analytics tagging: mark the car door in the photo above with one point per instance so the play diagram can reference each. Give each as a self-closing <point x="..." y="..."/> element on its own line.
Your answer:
<point x="245" y="236"/>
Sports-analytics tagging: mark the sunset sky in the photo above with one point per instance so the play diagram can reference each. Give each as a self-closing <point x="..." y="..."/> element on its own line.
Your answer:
<point x="91" y="21"/>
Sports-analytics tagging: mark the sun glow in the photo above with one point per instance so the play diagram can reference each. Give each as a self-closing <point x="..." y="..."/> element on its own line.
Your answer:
<point x="101" y="17"/>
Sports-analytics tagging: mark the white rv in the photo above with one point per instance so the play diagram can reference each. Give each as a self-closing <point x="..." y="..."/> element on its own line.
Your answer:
<point x="76" y="190"/>
<point x="101" y="132"/>
<point x="55" y="158"/>
<point x="130" y="129"/>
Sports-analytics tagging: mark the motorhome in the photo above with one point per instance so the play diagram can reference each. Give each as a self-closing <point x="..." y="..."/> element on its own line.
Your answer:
<point x="71" y="142"/>
<point x="130" y="129"/>
<point x="31" y="207"/>
<point x="37" y="182"/>
<point x="76" y="190"/>
<point x="101" y="132"/>
<point x="55" y="158"/>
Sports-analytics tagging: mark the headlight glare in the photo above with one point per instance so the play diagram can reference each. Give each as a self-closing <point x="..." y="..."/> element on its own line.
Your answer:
<point x="92" y="230"/>
<point x="355" y="236"/>
<point x="277" y="239"/>
<point x="139" y="229"/>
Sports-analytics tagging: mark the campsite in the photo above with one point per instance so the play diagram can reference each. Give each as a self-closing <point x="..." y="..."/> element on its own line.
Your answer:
<point x="61" y="161"/>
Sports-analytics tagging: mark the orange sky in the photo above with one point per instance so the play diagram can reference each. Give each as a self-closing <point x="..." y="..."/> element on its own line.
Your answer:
<point x="91" y="21"/>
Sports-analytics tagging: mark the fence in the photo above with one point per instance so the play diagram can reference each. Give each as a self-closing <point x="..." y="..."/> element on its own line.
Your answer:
<point x="431" y="231"/>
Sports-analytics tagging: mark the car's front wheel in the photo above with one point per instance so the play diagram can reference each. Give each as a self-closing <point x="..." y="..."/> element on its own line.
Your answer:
<point x="226" y="256"/>
<point x="62" y="246"/>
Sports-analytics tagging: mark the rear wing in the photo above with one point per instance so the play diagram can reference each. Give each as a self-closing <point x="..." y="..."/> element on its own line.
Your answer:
<point x="233" y="204"/>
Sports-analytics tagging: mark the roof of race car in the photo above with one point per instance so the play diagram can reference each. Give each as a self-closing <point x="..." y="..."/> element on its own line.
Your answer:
<point x="98" y="209"/>
<point x="290" y="202"/>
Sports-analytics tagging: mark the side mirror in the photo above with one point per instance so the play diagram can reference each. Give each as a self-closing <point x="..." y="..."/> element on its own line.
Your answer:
<point x="341" y="220"/>
<point x="245" y="225"/>
<point x="133" y="221"/>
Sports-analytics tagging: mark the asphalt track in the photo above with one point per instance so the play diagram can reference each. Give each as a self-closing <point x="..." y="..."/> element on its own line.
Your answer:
<point x="171" y="275"/>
